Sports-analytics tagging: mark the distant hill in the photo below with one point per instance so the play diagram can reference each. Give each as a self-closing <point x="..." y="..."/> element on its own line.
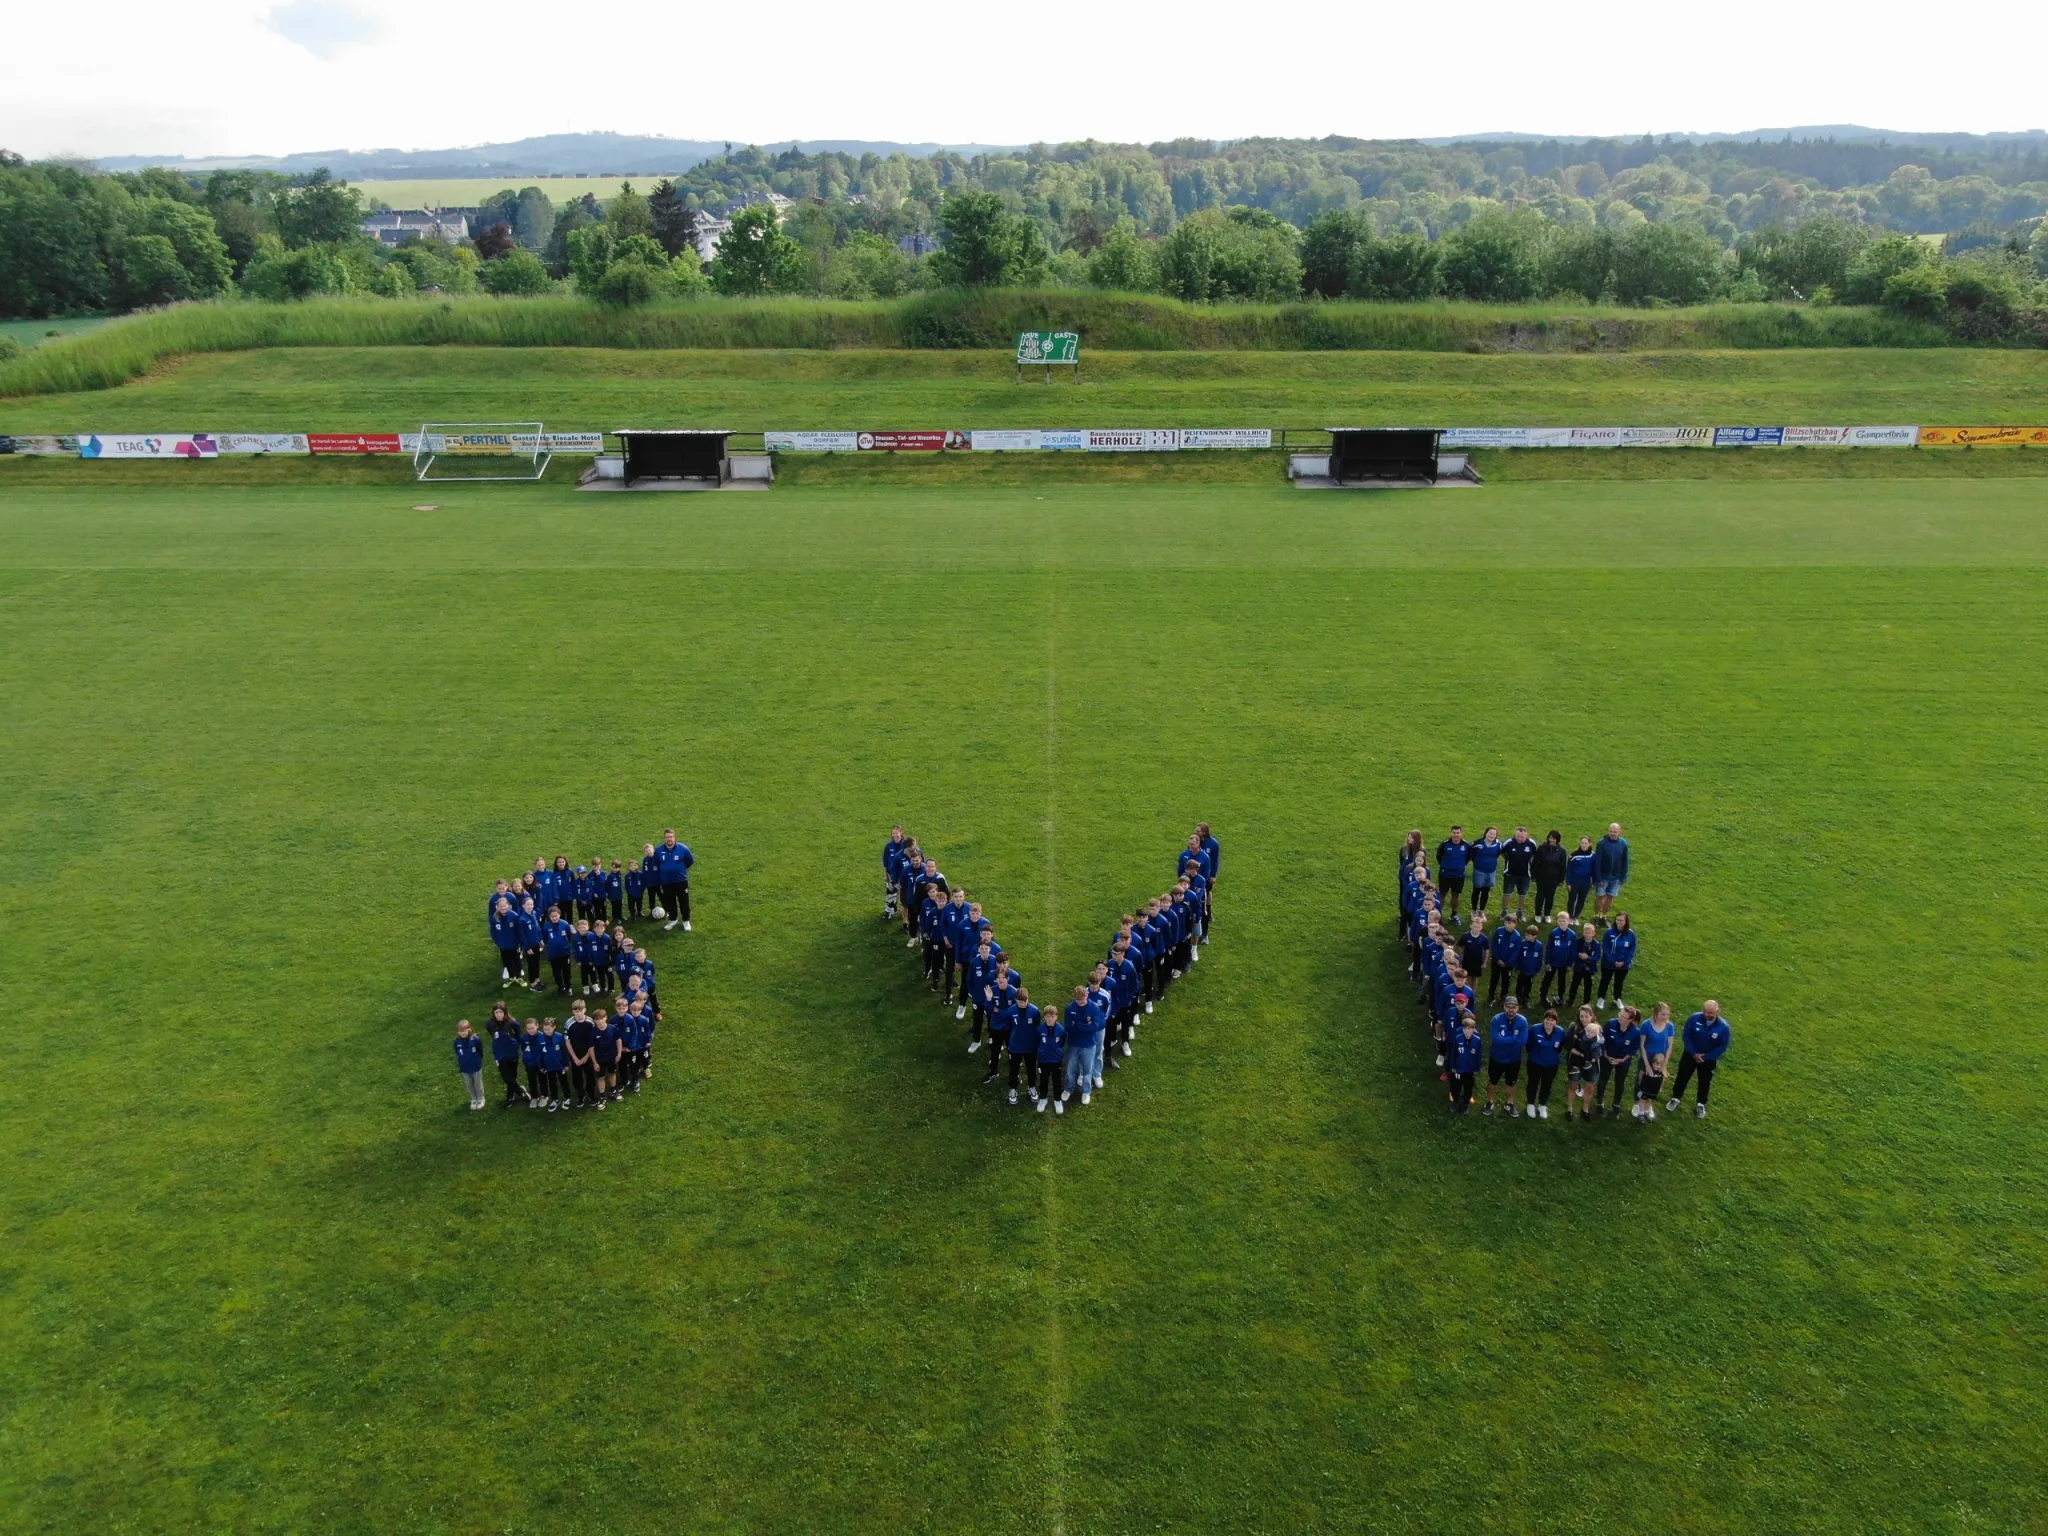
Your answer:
<point x="1841" y="133"/>
<point x="554" y="154"/>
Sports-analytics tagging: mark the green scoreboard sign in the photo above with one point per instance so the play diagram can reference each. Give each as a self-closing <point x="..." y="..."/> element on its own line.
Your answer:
<point x="1049" y="347"/>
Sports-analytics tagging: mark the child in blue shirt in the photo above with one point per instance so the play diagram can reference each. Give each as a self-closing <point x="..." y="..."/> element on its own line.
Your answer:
<point x="505" y="1052"/>
<point x="1559" y="951"/>
<point x="1025" y="1024"/>
<point x="560" y="940"/>
<point x="1052" y="1051"/>
<point x="1584" y="963"/>
<point x="1465" y="1053"/>
<point x="469" y="1061"/>
<point x="536" y="1069"/>
<point x="1504" y="951"/>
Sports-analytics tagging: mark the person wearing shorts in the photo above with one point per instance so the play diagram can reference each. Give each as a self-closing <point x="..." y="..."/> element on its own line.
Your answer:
<point x="1610" y="869"/>
<point x="1485" y="867"/>
<point x="1518" y="853"/>
<point x="1507" y="1039"/>
<point x="1452" y="856"/>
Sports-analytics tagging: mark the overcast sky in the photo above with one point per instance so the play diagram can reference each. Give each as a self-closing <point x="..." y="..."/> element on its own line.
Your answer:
<point x="258" y="77"/>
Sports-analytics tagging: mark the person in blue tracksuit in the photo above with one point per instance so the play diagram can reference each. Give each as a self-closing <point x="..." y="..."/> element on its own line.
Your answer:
<point x="1610" y="869"/>
<point x="1518" y="859"/>
<point x="554" y="1065"/>
<point x="1079" y="1023"/>
<point x="1486" y="856"/>
<point x="1474" y="948"/>
<point x="1705" y="1041"/>
<point x="1578" y="879"/>
<point x="505" y="936"/>
<point x="973" y="928"/>
<point x="469" y="1061"/>
<point x="1002" y="1018"/>
<point x="1653" y="1056"/>
<point x="953" y="934"/>
<point x="1504" y="951"/>
<point x="673" y="862"/>
<point x="1123" y="990"/>
<point x="531" y="942"/>
<point x="1052" y="1052"/>
<point x="1618" y="1049"/>
<point x="1584" y="964"/>
<point x="1453" y="859"/>
<point x="1025" y="1024"/>
<point x="636" y="892"/>
<point x="1617" y="954"/>
<point x="980" y="972"/>
<point x="931" y="918"/>
<point x="1507" y="1039"/>
<point x="534" y="1059"/>
<point x="579" y="946"/>
<point x="1546" y="1053"/>
<point x="1215" y="851"/>
<point x="643" y="972"/>
<point x="1559" y="951"/>
<point x="893" y="854"/>
<point x="1466" y="1052"/>
<point x="615" y="890"/>
<point x="1529" y="964"/>
<point x="607" y="1043"/>
<point x="559" y="939"/>
<point x="505" y="1052"/>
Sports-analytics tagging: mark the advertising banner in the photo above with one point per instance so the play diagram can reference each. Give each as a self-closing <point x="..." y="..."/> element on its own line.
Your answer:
<point x="354" y="442"/>
<point x="1596" y="437"/>
<point x="1053" y="347"/>
<point x="1506" y="437"/>
<point x="911" y="442"/>
<point x="1063" y="439"/>
<point x="1134" y="440"/>
<point x="160" y="445"/>
<point x="1816" y="437"/>
<point x="262" y="442"/>
<point x="1749" y="437"/>
<point x="1226" y="437"/>
<point x="1883" y="437"/>
<point x="575" y="443"/>
<point x="1667" y="437"/>
<point x="1017" y="440"/>
<point x="811" y="442"/>
<point x="65" y="443"/>
<point x="1984" y="437"/>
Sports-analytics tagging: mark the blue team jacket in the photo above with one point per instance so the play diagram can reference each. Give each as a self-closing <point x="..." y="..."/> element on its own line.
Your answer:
<point x="1578" y="872"/>
<point x="673" y="864"/>
<point x="1708" y="1040"/>
<point x="1451" y="859"/>
<point x="469" y="1054"/>
<point x="1610" y="859"/>
<point x="1618" y="948"/>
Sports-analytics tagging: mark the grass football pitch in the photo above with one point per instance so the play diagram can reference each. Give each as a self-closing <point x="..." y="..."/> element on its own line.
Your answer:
<point x="267" y="746"/>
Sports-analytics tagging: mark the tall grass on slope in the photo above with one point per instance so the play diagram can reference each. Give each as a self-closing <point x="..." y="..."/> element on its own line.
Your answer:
<point x="127" y="349"/>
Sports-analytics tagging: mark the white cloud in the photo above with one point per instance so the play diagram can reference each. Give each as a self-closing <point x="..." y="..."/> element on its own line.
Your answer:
<point x="325" y="28"/>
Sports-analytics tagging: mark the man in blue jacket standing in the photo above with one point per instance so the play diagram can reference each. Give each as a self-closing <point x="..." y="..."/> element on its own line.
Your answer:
<point x="1452" y="855"/>
<point x="672" y="861"/>
<point x="1703" y="1044"/>
<point x="1610" y="869"/>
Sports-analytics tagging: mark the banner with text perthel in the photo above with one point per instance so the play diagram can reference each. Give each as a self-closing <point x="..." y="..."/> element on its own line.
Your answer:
<point x="811" y="442"/>
<point x="1984" y="437"/>
<point x="1226" y="437"/>
<point x="147" y="445"/>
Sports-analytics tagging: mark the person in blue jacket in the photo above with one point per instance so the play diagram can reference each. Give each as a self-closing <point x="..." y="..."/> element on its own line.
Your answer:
<point x="1002" y="1018"/>
<point x="469" y="1061"/>
<point x="1507" y="1039"/>
<point x="1474" y="948"/>
<point x="1518" y="853"/>
<point x="1559" y="951"/>
<point x="673" y="862"/>
<point x="1505" y="955"/>
<point x="893" y="853"/>
<point x="1215" y="851"/>
<point x="1578" y="879"/>
<point x="560" y="941"/>
<point x="505" y="1052"/>
<point x="1705" y="1041"/>
<point x="1618" y="1049"/>
<point x="505" y="935"/>
<point x="1466" y="1052"/>
<point x="1653" y="1054"/>
<point x="1080" y="1023"/>
<point x="615" y="890"/>
<point x="1546" y="1052"/>
<point x="554" y="1063"/>
<point x="636" y="892"/>
<point x="531" y="1056"/>
<point x="1453" y="858"/>
<point x="1529" y="962"/>
<point x="1052" y="1052"/>
<point x="1025" y="1022"/>
<point x="1617" y="954"/>
<point x="1584" y="963"/>
<point x="531" y="942"/>
<point x="1610" y="869"/>
<point x="1486" y="856"/>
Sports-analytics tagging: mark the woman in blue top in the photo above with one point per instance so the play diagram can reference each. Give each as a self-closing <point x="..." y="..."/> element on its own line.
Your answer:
<point x="1485" y="867"/>
<point x="1617" y="954"/>
<point x="1546" y="1051"/>
<point x="1655" y="1051"/>
<point x="505" y="1051"/>
<point x="1617" y="1055"/>
<point x="1578" y="879"/>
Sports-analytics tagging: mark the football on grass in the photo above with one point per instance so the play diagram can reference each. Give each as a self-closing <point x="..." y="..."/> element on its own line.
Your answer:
<point x="659" y="914"/>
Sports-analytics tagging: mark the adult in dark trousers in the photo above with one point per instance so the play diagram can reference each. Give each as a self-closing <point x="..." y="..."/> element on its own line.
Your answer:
<point x="672" y="861"/>
<point x="1578" y="879"/>
<point x="582" y="1058"/>
<point x="1549" y="870"/>
<point x="1617" y="955"/>
<point x="1404" y="868"/>
<point x="1704" y="1043"/>
<point x="1517" y="857"/>
<point x="1610" y="869"/>
<point x="1215" y="851"/>
<point x="1452" y="855"/>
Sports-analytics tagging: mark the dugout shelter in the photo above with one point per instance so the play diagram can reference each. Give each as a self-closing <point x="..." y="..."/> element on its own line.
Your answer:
<point x="681" y="453"/>
<point x="1384" y="455"/>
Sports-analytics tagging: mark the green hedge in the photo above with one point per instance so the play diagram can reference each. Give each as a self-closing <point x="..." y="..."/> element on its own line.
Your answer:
<point x="988" y="318"/>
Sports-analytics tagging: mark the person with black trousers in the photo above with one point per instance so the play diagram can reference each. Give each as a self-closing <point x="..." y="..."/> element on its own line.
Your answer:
<point x="582" y="1055"/>
<point x="1549" y="870"/>
<point x="1517" y="854"/>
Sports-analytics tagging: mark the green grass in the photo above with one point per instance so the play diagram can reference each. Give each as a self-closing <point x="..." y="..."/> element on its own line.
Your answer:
<point x="33" y="333"/>
<point x="351" y="389"/>
<point x="266" y="746"/>
<point x="980" y="320"/>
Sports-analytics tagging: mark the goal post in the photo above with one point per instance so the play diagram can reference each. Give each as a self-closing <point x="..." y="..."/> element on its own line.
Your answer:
<point x="481" y="450"/>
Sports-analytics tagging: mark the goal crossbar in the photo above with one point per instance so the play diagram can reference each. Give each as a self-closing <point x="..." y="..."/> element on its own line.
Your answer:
<point x="466" y="444"/>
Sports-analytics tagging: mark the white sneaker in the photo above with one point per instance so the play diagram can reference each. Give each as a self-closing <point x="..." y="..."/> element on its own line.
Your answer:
<point x="1059" y="1106"/>
<point x="960" y="1012"/>
<point x="910" y="943"/>
<point x="686" y="925"/>
<point x="1066" y="1094"/>
<point x="1085" y="1098"/>
<point x="1148" y="1007"/>
<point x="1176" y="975"/>
<point x="1439" y="1061"/>
<point x="973" y="1046"/>
<point x="1672" y="1105"/>
<point x="1546" y="1111"/>
<point x="1013" y="1095"/>
<point x="1127" y="1047"/>
<point x="1649" y="1113"/>
<point x="1699" y="1112"/>
<point x="1098" y="1083"/>
<point x="1040" y="1103"/>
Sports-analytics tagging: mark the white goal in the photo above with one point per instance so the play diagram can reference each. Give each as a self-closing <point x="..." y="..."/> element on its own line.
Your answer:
<point x="481" y="450"/>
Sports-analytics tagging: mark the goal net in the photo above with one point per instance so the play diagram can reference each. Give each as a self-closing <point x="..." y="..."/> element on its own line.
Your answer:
<point x="481" y="450"/>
